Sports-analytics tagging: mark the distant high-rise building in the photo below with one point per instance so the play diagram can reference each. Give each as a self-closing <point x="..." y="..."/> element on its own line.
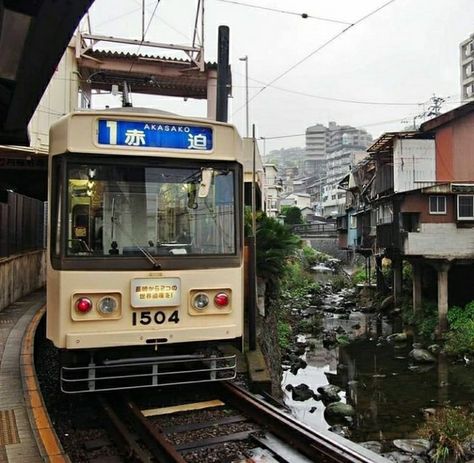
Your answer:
<point x="315" y="151"/>
<point x="467" y="68"/>
<point x="330" y="152"/>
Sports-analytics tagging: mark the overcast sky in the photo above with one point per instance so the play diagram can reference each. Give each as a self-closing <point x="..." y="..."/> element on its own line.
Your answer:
<point x="402" y="54"/>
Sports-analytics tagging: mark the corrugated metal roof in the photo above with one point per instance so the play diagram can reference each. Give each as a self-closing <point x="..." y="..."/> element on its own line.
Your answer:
<point x="385" y="141"/>
<point x="120" y="54"/>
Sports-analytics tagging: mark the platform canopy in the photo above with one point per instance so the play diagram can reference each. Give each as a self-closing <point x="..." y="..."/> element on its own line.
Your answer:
<point x="33" y="37"/>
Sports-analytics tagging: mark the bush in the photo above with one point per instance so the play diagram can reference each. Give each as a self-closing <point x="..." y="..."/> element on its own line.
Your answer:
<point x="460" y="338"/>
<point x="449" y="429"/>
<point x="284" y="333"/>
<point x="359" y="276"/>
<point x="424" y="320"/>
<point x="311" y="325"/>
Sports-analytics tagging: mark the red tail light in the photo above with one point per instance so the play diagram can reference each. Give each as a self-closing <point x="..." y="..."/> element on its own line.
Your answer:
<point x="221" y="299"/>
<point x="83" y="305"/>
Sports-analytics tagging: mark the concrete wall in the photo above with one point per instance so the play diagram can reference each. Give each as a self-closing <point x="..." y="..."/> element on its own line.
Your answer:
<point x="418" y="202"/>
<point x="21" y="274"/>
<point x="440" y="240"/>
<point x="329" y="246"/>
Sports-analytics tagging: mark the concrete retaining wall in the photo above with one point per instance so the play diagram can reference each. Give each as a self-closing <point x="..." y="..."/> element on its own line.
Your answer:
<point x="20" y="274"/>
<point x="329" y="245"/>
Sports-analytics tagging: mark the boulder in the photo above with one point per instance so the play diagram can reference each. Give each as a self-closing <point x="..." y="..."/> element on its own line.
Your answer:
<point x="329" y="393"/>
<point x="397" y="337"/>
<point x="413" y="446"/>
<point x="297" y="364"/>
<point x="420" y="355"/>
<point x="339" y="410"/>
<point x="372" y="445"/>
<point x="301" y="392"/>
<point x="420" y="368"/>
<point x="434" y="348"/>
<point x="340" y="430"/>
<point x="398" y="457"/>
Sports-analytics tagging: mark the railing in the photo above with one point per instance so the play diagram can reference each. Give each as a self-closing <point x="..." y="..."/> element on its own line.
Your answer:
<point x="316" y="228"/>
<point x="22" y="224"/>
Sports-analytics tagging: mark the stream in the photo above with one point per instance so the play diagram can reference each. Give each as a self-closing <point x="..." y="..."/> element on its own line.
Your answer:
<point x="390" y="395"/>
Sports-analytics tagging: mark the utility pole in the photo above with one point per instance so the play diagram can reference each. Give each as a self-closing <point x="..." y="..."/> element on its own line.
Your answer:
<point x="246" y="59"/>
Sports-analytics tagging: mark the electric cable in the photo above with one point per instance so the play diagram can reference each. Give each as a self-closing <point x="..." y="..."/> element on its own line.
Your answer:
<point x="312" y="53"/>
<point x="302" y="15"/>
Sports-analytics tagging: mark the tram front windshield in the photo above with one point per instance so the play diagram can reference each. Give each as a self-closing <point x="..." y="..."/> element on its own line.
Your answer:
<point x="129" y="210"/>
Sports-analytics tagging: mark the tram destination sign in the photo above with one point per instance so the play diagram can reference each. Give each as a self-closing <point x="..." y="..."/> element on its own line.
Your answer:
<point x="140" y="134"/>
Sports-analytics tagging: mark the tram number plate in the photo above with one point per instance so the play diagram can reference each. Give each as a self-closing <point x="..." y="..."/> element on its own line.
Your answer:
<point x="157" y="318"/>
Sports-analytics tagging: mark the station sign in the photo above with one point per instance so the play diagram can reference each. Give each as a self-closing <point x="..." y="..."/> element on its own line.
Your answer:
<point x="155" y="292"/>
<point x="142" y="134"/>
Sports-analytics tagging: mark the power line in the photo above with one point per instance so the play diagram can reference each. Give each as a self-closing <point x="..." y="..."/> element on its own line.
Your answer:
<point x="341" y="100"/>
<point x="321" y="47"/>
<point x="359" y="127"/>
<point x="145" y="33"/>
<point x="302" y="15"/>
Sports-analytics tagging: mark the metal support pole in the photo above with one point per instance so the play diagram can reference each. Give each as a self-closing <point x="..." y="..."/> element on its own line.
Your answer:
<point x="252" y="300"/>
<point x="246" y="59"/>
<point x="222" y="73"/>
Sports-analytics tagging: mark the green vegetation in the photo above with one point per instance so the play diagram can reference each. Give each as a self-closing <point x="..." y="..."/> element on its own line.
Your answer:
<point x="275" y="245"/>
<point x="424" y="320"/>
<point x="449" y="429"/>
<point x="343" y="340"/>
<point x="292" y="215"/>
<point x="284" y="334"/>
<point x="460" y="338"/>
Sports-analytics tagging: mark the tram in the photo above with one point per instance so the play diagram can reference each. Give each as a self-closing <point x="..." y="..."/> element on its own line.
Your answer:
<point x="145" y="249"/>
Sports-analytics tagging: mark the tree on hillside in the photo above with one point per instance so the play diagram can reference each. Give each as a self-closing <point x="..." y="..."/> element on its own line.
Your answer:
<point x="292" y="215"/>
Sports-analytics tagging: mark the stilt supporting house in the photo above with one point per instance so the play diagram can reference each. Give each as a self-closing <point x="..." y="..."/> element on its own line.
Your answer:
<point x="397" y="269"/>
<point x="443" y="269"/>
<point x="417" y="286"/>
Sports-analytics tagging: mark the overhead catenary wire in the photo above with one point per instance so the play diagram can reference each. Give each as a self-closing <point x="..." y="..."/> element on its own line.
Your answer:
<point x="302" y="15"/>
<point x="145" y="33"/>
<point x="328" y="98"/>
<point x="317" y="50"/>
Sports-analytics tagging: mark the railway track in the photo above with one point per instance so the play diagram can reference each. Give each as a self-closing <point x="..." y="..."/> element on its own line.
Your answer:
<point x="234" y="423"/>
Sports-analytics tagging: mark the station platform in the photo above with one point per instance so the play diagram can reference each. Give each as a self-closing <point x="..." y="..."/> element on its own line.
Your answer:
<point x="18" y="443"/>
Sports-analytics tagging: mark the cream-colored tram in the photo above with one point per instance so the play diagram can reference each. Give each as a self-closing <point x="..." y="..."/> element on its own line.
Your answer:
<point x="145" y="268"/>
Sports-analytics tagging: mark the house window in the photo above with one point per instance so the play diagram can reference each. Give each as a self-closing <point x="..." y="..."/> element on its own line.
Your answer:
<point x="353" y="221"/>
<point x="437" y="204"/>
<point x="465" y="207"/>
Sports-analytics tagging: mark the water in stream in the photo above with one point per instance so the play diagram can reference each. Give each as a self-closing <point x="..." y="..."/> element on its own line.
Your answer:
<point x="389" y="394"/>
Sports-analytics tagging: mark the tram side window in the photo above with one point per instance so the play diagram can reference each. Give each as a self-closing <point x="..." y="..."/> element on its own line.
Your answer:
<point x="131" y="210"/>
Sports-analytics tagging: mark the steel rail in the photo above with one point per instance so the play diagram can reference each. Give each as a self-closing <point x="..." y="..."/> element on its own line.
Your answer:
<point x="128" y="422"/>
<point x="309" y="442"/>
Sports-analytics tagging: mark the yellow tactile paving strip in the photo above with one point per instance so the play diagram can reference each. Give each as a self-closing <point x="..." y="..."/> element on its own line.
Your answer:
<point x="46" y="438"/>
<point x="8" y="429"/>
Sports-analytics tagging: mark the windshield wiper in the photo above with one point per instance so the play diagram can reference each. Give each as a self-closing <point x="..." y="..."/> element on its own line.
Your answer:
<point x="153" y="261"/>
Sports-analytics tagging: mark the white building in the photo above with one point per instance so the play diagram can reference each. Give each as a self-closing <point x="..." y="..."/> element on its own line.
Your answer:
<point x="466" y="49"/>
<point x="272" y="190"/>
<point x="315" y="151"/>
<point x="300" y="200"/>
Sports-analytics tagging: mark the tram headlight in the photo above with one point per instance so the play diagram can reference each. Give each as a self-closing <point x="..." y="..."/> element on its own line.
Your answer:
<point x="200" y="301"/>
<point x="83" y="305"/>
<point x="107" y="305"/>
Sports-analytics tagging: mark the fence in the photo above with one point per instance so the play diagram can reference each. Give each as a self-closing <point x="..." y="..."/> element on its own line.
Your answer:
<point x="22" y="224"/>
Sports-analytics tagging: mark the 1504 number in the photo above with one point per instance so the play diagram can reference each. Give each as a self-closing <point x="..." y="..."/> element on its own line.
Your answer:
<point x="145" y="318"/>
